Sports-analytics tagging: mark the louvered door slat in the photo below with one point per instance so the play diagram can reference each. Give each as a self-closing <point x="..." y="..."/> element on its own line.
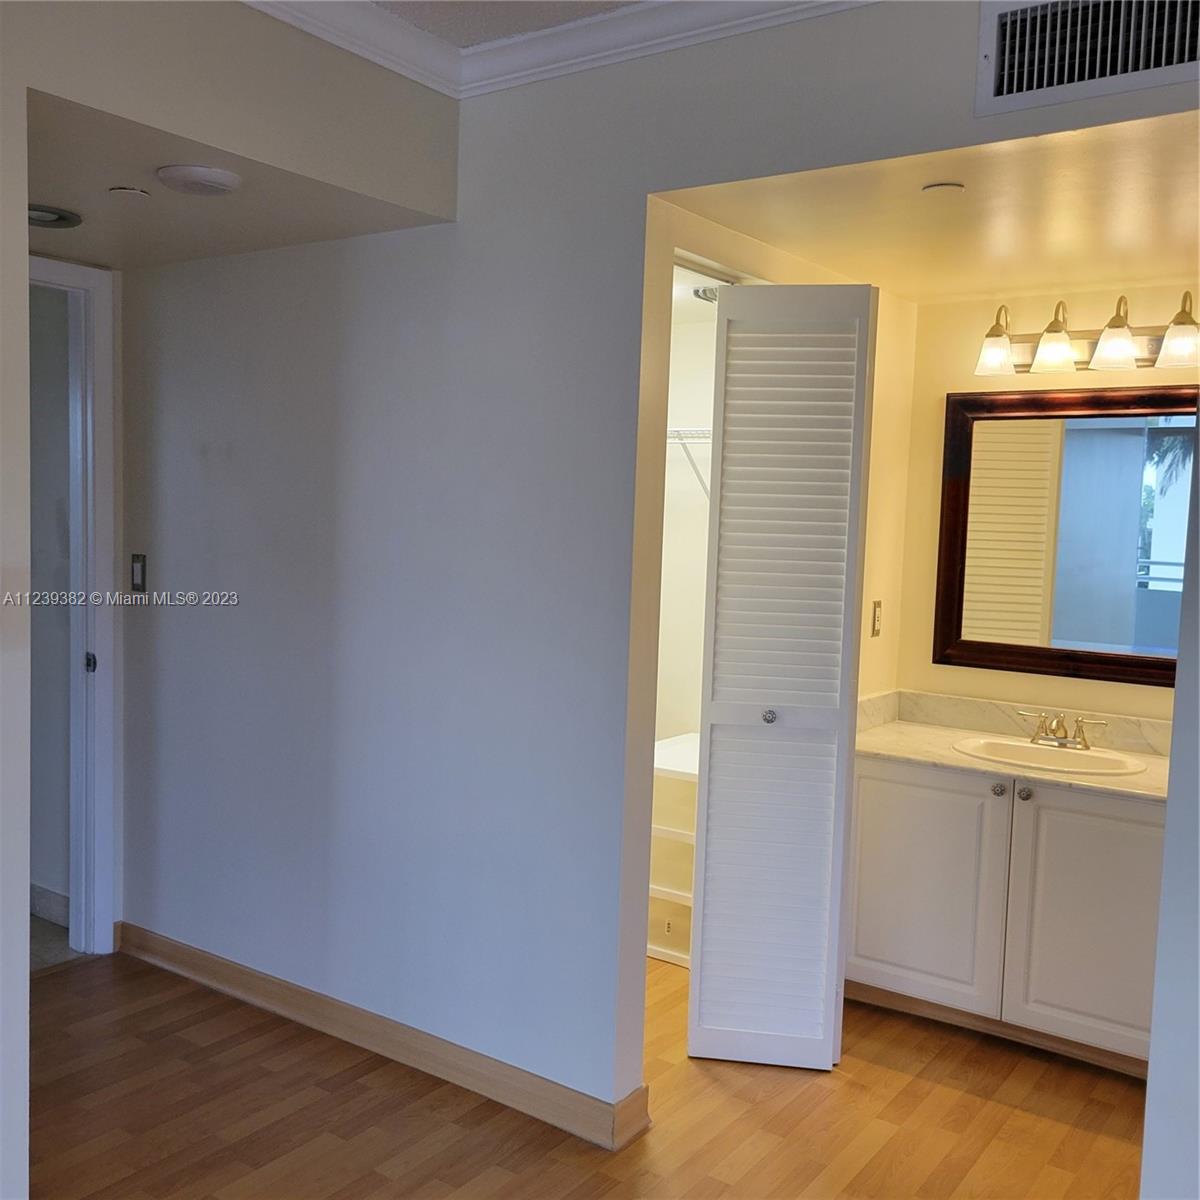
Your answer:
<point x="785" y="558"/>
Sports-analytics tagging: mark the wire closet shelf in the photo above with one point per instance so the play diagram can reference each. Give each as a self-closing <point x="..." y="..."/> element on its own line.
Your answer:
<point x="685" y="438"/>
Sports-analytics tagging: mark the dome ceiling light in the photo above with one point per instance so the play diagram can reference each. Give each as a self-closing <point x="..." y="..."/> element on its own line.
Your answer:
<point x="195" y="180"/>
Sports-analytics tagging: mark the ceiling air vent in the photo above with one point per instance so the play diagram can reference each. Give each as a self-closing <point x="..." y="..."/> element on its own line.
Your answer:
<point x="1032" y="54"/>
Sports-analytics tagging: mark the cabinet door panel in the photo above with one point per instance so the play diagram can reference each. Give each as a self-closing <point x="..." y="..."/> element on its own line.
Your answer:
<point x="1083" y="915"/>
<point x="930" y="867"/>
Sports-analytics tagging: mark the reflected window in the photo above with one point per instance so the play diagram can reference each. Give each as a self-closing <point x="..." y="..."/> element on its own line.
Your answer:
<point x="1121" y="533"/>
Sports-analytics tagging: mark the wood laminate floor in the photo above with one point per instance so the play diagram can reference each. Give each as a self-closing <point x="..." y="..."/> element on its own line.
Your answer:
<point x="148" y="1086"/>
<point x="48" y="944"/>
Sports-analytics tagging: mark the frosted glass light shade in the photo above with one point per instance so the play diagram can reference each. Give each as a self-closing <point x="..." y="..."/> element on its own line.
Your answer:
<point x="1181" y="342"/>
<point x="1115" y="350"/>
<point x="995" y="356"/>
<point x="1054" y="352"/>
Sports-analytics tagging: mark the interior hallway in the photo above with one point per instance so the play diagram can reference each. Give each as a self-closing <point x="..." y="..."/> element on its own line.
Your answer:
<point x="48" y="944"/>
<point x="148" y="1085"/>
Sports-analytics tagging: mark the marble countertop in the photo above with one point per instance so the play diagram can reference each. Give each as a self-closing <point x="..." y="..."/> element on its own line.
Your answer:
<point x="933" y="745"/>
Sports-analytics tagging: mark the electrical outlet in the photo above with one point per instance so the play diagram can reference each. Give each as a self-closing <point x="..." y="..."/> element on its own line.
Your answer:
<point x="667" y="926"/>
<point x="876" y="617"/>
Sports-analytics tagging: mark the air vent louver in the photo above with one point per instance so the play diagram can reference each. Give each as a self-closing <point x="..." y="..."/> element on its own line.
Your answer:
<point x="1066" y="49"/>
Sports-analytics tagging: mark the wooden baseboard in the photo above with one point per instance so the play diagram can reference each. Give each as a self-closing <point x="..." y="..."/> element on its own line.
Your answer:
<point x="1096" y="1055"/>
<point x="607" y="1124"/>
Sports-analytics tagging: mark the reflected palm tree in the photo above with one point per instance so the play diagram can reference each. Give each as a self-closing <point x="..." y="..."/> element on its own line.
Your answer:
<point x="1172" y="456"/>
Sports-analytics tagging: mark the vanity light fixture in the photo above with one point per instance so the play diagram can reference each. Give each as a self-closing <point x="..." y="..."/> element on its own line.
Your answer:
<point x="1181" y="342"/>
<point x="1115" y="350"/>
<point x="1054" y="352"/>
<point x="1119" y="346"/>
<point x="996" y="357"/>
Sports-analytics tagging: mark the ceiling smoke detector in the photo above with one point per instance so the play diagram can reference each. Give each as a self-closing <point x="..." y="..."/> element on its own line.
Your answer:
<point x="945" y="187"/>
<point x="195" y="180"/>
<point x="43" y="216"/>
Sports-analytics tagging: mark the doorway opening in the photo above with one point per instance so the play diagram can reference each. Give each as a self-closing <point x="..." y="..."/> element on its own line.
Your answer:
<point x="681" y="629"/>
<point x="74" y="669"/>
<point x="946" y="912"/>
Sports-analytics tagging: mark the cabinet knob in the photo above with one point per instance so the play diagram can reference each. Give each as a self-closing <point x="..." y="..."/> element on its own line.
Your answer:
<point x="770" y="716"/>
<point x="1024" y="793"/>
<point x="999" y="789"/>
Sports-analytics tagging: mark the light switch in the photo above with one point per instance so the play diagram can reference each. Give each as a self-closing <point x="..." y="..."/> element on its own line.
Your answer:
<point x="137" y="573"/>
<point x="876" y="617"/>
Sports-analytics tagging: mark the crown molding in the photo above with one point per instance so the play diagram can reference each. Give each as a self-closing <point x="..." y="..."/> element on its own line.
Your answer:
<point x="374" y="34"/>
<point x="626" y="33"/>
<point x="651" y="27"/>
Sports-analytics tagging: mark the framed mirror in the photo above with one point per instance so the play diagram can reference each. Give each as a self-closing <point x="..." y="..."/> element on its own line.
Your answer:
<point x="1063" y="526"/>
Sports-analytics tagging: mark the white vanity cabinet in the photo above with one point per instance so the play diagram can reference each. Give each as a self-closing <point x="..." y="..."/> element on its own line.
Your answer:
<point x="1017" y="900"/>
<point x="1083" y="915"/>
<point x="929" y="875"/>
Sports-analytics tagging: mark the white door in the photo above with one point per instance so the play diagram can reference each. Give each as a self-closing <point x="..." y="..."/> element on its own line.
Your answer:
<point x="1083" y="915"/>
<point x="790" y="426"/>
<point x="929" y="882"/>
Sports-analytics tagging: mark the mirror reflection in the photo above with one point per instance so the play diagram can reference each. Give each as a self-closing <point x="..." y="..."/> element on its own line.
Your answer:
<point x="1076" y="531"/>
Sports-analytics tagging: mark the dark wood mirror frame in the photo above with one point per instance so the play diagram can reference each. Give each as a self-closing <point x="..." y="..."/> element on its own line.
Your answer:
<point x="963" y="409"/>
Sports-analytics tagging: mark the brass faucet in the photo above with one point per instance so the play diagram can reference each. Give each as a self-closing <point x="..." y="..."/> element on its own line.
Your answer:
<point x="1081" y="737"/>
<point x="1053" y="732"/>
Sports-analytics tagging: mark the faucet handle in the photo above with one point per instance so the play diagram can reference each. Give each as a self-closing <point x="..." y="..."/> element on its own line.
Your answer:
<point x="1040" y="717"/>
<point x="1081" y="736"/>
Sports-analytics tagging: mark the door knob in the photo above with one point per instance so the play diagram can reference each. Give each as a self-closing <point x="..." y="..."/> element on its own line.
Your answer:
<point x="1024" y="793"/>
<point x="999" y="789"/>
<point x="770" y="716"/>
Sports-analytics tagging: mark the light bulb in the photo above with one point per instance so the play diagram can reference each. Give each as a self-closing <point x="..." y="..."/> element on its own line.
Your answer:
<point x="1054" y="352"/>
<point x="1181" y="342"/>
<point x="1115" y="350"/>
<point x="995" y="356"/>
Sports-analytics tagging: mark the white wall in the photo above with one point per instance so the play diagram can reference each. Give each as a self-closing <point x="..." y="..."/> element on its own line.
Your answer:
<point x="50" y="570"/>
<point x="1170" y="1160"/>
<point x="398" y="772"/>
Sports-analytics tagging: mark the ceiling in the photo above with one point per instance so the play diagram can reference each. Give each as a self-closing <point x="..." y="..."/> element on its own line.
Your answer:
<point x="1115" y="204"/>
<point x="77" y="153"/>
<point x="464" y="24"/>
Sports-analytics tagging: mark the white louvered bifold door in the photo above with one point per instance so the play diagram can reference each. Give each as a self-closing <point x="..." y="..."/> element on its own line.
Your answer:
<point x="790" y="427"/>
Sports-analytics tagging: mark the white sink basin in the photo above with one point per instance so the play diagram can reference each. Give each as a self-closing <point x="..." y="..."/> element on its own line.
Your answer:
<point x="1014" y="752"/>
